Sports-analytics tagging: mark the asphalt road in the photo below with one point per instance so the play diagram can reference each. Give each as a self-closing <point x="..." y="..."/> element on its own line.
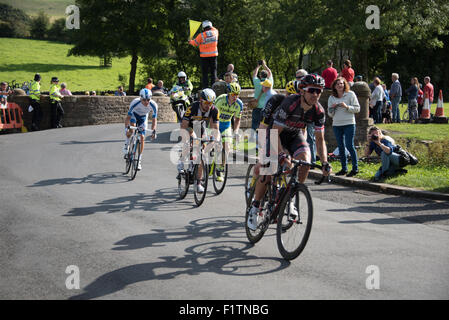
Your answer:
<point x="64" y="202"/>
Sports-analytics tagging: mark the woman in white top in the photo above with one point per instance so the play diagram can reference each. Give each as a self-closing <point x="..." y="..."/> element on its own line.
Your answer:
<point x="377" y="98"/>
<point x="342" y="107"/>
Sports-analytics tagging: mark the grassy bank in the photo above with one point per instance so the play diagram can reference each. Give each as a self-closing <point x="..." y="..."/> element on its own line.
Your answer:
<point x="22" y="58"/>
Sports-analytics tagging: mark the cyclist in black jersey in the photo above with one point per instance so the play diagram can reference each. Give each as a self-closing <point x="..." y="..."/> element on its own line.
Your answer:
<point x="290" y="119"/>
<point x="202" y="112"/>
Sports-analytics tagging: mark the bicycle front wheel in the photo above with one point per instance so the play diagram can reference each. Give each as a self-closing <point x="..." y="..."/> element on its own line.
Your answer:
<point x="220" y="175"/>
<point x="294" y="222"/>
<point x="135" y="159"/>
<point x="200" y="180"/>
<point x="183" y="184"/>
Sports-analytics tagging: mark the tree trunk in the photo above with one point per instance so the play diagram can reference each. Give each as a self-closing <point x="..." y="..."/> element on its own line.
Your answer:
<point x="132" y="73"/>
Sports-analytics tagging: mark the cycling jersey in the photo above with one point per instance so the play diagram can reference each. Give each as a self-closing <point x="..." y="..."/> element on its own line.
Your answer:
<point x="270" y="108"/>
<point x="139" y="113"/>
<point x="195" y="114"/>
<point x="227" y="111"/>
<point x="291" y="116"/>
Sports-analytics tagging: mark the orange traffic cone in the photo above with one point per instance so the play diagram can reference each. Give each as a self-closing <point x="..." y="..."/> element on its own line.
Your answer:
<point x="425" y="113"/>
<point x="439" y="113"/>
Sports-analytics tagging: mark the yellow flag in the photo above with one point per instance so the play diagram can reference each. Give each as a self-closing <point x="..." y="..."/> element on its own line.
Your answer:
<point x="194" y="25"/>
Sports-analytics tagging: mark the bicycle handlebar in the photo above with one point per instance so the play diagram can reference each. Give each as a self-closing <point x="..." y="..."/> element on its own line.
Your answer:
<point x="312" y="165"/>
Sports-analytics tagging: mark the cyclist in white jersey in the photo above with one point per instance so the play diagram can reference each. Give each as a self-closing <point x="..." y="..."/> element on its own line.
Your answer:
<point x="138" y="117"/>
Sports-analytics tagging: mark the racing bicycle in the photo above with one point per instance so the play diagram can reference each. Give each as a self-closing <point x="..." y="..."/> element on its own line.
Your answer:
<point x="288" y="204"/>
<point x="133" y="155"/>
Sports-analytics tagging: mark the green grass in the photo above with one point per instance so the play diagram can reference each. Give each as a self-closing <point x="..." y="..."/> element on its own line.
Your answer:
<point x="53" y="8"/>
<point x="429" y="131"/>
<point x="22" y="58"/>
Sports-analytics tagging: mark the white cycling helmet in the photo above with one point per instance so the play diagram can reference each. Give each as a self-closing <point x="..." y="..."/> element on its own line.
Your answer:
<point x="182" y="74"/>
<point x="208" y="95"/>
<point x="206" y="23"/>
<point x="145" y="94"/>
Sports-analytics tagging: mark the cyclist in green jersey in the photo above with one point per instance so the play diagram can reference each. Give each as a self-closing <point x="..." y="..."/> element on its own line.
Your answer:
<point x="229" y="105"/>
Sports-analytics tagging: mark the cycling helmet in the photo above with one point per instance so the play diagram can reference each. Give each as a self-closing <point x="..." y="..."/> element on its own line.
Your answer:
<point x="206" y="23"/>
<point x="208" y="95"/>
<point x="145" y="94"/>
<point x="233" y="87"/>
<point x="290" y="87"/>
<point x="182" y="74"/>
<point x="311" y="80"/>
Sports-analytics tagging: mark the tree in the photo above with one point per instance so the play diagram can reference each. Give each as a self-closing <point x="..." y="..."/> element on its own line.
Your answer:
<point x="121" y="28"/>
<point x="39" y="26"/>
<point x="14" y="22"/>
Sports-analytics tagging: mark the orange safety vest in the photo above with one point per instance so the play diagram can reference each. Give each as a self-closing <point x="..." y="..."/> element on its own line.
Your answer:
<point x="208" y="43"/>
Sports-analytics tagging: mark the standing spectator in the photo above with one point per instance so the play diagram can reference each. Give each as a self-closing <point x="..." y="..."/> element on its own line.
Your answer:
<point x="259" y="95"/>
<point x="267" y="89"/>
<point x="35" y="95"/>
<point x="428" y="89"/>
<point x="159" y="89"/>
<point x="150" y="84"/>
<point x="377" y="98"/>
<point x="93" y="93"/>
<point x="229" y="68"/>
<point x="358" y="78"/>
<point x="4" y="92"/>
<point x="342" y="107"/>
<point x="329" y="74"/>
<point x="412" y="93"/>
<point x="395" y="96"/>
<point x="64" y="91"/>
<point x="420" y="100"/>
<point x="207" y="41"/>
<point x="347" y="72"/>
<point x="386" y="107"/>
<point x="120" y="91"/>
<point x="57" y="112"/>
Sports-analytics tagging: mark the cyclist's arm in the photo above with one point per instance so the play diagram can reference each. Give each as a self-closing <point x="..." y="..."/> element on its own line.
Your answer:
<point x="321" y="145"/>
<point x="127" y="120"/>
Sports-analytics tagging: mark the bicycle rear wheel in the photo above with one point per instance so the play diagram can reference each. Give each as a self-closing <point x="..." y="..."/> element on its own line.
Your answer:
<point x="199" y="197"/>
<point x="220" y="172"/>
<point x="135" y="159"/>
<point x="292" y="240"/>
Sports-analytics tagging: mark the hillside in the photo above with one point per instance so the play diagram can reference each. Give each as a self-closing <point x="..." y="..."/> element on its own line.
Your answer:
<point x="50" y="59"/>
<point x="53" y="8"/>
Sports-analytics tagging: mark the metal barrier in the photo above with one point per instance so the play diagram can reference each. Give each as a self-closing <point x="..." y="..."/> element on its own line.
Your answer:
<point x="11" y="116"/>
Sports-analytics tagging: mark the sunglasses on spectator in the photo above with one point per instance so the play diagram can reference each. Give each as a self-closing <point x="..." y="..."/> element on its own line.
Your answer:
<point x="313" y="90"/>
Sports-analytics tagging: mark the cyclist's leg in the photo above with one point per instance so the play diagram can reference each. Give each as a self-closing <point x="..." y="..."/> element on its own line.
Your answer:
<point x="299" y="149"/>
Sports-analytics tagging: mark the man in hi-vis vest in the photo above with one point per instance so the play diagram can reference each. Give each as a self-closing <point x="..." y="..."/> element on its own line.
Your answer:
<point x="207" y="41"/>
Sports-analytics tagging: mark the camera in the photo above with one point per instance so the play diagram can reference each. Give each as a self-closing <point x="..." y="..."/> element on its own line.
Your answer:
<point x="259" y="62"/>
<point x="374" y="137"/>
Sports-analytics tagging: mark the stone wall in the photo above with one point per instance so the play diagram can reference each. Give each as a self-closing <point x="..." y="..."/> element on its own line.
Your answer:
<point x="92" y="110"/>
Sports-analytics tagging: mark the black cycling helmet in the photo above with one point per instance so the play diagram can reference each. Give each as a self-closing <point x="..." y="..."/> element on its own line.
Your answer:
<point x="311" y="80"/>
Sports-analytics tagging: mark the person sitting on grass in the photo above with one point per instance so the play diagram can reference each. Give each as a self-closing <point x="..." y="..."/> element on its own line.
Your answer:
<point x="383" y="146"/>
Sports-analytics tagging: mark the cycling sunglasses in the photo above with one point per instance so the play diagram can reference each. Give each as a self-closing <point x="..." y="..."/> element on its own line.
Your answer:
<point x="313" y="90"/>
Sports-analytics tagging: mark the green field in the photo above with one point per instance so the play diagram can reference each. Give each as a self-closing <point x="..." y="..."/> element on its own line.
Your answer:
<point x="53" y="8"/>
<point x="22" y="58"/>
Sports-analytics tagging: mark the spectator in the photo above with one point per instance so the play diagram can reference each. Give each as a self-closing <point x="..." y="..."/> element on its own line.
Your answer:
<point x="386" y="107"/>
<point x="259" y="94"/>
<point x="4" y="92"/>
<point x="93" y="93"/>
<point x="358" y="78"/>
<point x="377" y="98"/>
<point x="300" y="73"/>
<point x="87" y="93"/>
<point x="120" y="91"/>
<point x="64" y="91"/>
<point x="207" y="41"/>
<point x="267" y="89"/>
<point x="57" y="112"/>
<point x="159" y="89"/>
<point x="342" y="107"/>
<point x="412" y="93"/>
<point x="329" y="74"/>
<point x="395" y="96"/>
<point x="35" y="95"/>
<point x="229" y="68"/>
<point x="348" y="73"/>
<point x="383" y="146"/>
<point x="428" y="89"/>
<point x="150" y="84"/>
<point x="420" y="100"/>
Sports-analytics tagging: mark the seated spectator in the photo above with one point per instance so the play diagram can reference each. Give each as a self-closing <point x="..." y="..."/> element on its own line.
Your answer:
<point x="93" y="93"/>
<point x="383" y="146"/>
<point x="159" y="89"/>
<point x="64" y="91"/>
<point x="4" y="92"/>
<point x="87" y="93"/>
<point x="120" y="91"/>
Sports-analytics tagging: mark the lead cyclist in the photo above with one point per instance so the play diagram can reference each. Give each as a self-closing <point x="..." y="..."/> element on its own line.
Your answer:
<point x="138" y="117"/>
